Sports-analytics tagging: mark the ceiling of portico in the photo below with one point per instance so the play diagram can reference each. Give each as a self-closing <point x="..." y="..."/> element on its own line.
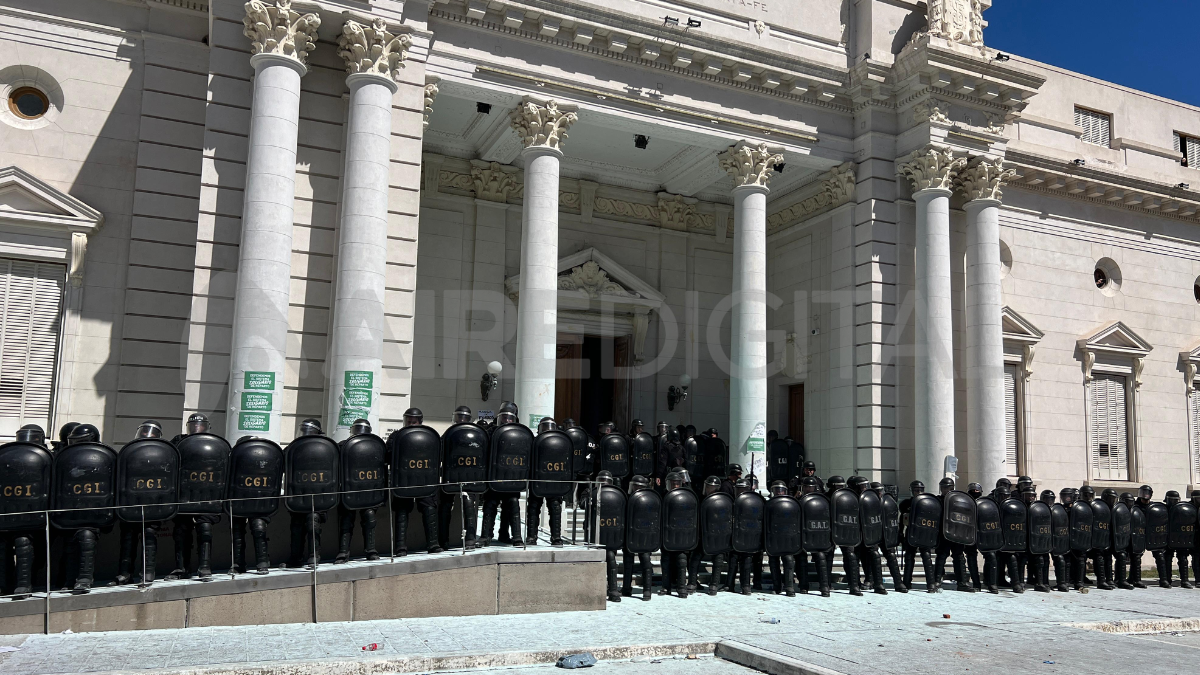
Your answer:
<point x="600" y="147"/>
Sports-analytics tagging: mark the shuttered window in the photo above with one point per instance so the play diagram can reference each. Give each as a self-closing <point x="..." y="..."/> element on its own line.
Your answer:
<point x="1110" y="437"/>
<point x="1194" y="405"/>
<point x="1012" y="429"/>
<point x="31" y="297"/>
<point x="1189" y="149"/>
<point x="1097" y="127"/>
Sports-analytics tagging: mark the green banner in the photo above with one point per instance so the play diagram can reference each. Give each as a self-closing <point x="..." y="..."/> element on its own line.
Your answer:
<point x="347" y="416"/>
<point x="756" y="444"/>
<point x="356" y="398"/>
<point x="253" y="400"/>
<point x="360" y="379"/>
<point x="535" y="420"/>
<point x="261" y="380"/>
<point x="254" y="421"/>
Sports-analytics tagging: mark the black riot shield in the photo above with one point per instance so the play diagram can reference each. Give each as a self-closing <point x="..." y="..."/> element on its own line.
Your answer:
<point x="25" y="474"/>
<point x="255" y="478"/>
<point x="364" y="472"/>
<point x="680" y="521"/>
<point x="1121" y="526"/>
<point x="1158" y="526"/>
<point x="891" y="521"/>
<point x="716" y="524"/>
<point x="1137" y="529"/>
<point x="643" y="522"/>
<point x="614" y="455"/>
<point x="989" y="534"/>
<point x="870" y="518"/>
<point x="579" y="451"/>
<point x="781" y="526"/>
<point x="511" y="454"/>
<point x="83" y="477"/>
<point x="1060" y="526"/>
<point x="958" y="518"/>
<point x="641" y="455"/>
<point x="552" y="465"/>
<point x="203" y="473"/>
<point x="748" y="509"/>
<point x="1101" y="526"/>
<point x="1039" y="524"/>
<point x="612" y="517"/>
<point x="414" y="460"/>
<point x="716" y="457"/>
<point x="847" y="530"/>
<point x="1081" y="526"/>
<point x="924" y="521"/>
<point x="465" y="458"/>
<point x="779" y="465"/>
<point x="795" y="459"/>
<point x="693" y="458"/>
<point x="1014" y="518"/>
<point x="310" y="476"/>
<point x="817" y="523"/>
<point x="1183" y="526"/>
<point x="147" y="481"/>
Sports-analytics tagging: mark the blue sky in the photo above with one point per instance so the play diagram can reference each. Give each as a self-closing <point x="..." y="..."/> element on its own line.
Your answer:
<point x="1151" y="45"/>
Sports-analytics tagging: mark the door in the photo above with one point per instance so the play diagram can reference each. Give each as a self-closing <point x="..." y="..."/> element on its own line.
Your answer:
<point x="796" y="412"/>
<point x="622" y="381"/>
<point x="568" y="375"/>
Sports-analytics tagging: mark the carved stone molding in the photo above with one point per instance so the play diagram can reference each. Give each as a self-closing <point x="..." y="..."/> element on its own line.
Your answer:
<point x="930" y="167"/>
<point x="982" y="178"/>
<point x="543" y="123"/>
<point x="373" y="49"/>
<point x="625" y="209"/>
<point x="79" y="242"/>
<point x="493" y="181"/>
<point x="431" y="92"/>
<point x="836" y="189"/>
<point x="676" y="212"/>
<point x="592" y="280"/>
<point x="275" y="27"/>
<point x="958" y="21"/>
<point x="931" y="110"/>
<point x="750" y="164"/>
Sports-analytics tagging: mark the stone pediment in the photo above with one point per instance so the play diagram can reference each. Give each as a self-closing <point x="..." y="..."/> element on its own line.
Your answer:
<point x="1017" y="328"/>
<point x="1115" y="338"/>
<point x="589" y="278"/>
<point x="27" y="201"/>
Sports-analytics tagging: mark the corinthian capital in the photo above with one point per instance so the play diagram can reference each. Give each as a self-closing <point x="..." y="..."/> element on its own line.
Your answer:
<point x="543" y="123"/>
<point x="930" y="167"/>
<point x="982" y="179"/>
<point x="372" y="49"/>
<point x="431" y="92"/>
<point x="274" y="27"/>
<point x="750" y="164"/>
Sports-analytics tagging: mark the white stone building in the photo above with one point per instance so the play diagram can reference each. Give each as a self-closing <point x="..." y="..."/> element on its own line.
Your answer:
<point x="848" y="221"/>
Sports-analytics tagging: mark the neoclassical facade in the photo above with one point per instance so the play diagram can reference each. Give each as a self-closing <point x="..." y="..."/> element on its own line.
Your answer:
<point x="850" y="222"/>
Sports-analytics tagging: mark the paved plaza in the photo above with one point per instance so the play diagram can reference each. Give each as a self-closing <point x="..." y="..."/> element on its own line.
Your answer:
<point x="948" y="632"/>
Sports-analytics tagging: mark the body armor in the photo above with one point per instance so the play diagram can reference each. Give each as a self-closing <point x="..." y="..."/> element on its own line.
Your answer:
<point x="579" y="451"/>
<point x="891" y="521"/>
<point x="147" y="480"/>
<point x="612" y="517"/>
<point x="203" y="473"/>
<point x="847" y="530"/>
<point x="989" y="532"/>
<point x="614" y="455"/>
<point x="694" y="457"/>
<point x="716" y="456"/>
<point x="552" y="461"/>
<point x="748" y="511"/>
<point x="1122" y="526"/>
<point x="643" y="521"/>
<point x="716" y="524"/>
<point x="641" y="454"/>
<point x="1182" y="533"/>
<point x="1014" y="518"/>
<point x="680" y="521"/>
<point x="364" y="467"/>
<point x="1081" y="526"/>
<point x="781" y="526"/>
<point x="959" y="518"/>
<point x="311" y="474"/>
<point x="83" y="477"/>
<point x="465" y="458"/>
<point x="870" y="518"/>
<point x="924" y="521"/>
<point x="817" y="523"/>
<point x="1137" y="529"/>
<point x="255" y="478"/>
<point x="415" y="458"/>
<point x="1158" y="526"/>
<point x="779" y="461"/>
<point x="1060" y="526"/>
<point x="1101" y="526"/>
<point x="25" y="475"/>
<point x="1040" y="526"/>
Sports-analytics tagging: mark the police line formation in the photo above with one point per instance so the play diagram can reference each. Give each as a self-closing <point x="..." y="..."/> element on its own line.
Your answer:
<point x="640" y="484"/>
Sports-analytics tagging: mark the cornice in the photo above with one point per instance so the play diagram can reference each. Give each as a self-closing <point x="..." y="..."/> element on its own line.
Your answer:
<point x="825" y="194"/>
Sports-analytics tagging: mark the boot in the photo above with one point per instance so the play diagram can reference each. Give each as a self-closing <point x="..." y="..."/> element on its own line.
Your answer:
<point x="23" y="551"/>
<point x="470" y="518"/>
<point x="1015" y="575"/>
<point x="789" y="575"/>
<point x="756" y="571"/>
<point x="489" y="522"/>
<point x="262" y="555"/>
<point x="1038" y="568"/>
<point x="150" y="551"/>
<point x="429" y="518"/>
<point x="533" y="511"/>
<point x="681" y="574"/>
<point x="514" y="522"/>
<point x="776" y="575"/>
<point x="972" y="559"/>
<point x="939" y="565"/>
<point x="86" y="541"/>
<point x="747" y="562"/>
<point x="990" y="572"/>
<point x="719" y="566"/>
<point x="556" y="508"/>
<point x="614" y="594"/>
<point x="204" y="565"/>
<point x="627" y="574"/>
<point x="125" y="562"/>
<point x="850" y="563"/>
<point x="1135" y="571"/>
<point x="931" y="583"/>
<point x="1183" y="573"/>
<point x="182" y="537"/>
<point x="910" y="564"/>
<point x="239" y="544"/>
<point x="960" y="574"/>
<point x="368" y="534"/>
<point x="823" y="577"/>
<point x="894" y="570"/>
<point x="345" y="534"/>
<point x="400" y="519"/>
<point x="1060" y="574"/>
<point x="647" y="576"/>
<point x="312" y="542"/>
<point x="1163" y="561"/>
<point x="693" y="571"/>
<point x="1100" y="565"/>
<point x="876" y="573"/>
<point x="1122" y="574"/>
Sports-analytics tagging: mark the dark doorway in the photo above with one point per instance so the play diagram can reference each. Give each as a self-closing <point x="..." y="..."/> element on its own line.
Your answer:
<point x="596" y="391"/>
<point x="796" y="412"/>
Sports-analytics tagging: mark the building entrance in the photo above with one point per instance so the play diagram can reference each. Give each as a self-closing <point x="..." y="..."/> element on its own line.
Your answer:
<point x="591" y="381"/>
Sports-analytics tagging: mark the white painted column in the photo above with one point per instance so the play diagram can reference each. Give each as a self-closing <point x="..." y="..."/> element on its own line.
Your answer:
<point x="983" y="304"/>
<point x="372" y="55"/>
<point x="260" y="315"/>
<point x="932" y="171"/>
<point x="751" y="167"/>
<point x="542" y="126"/>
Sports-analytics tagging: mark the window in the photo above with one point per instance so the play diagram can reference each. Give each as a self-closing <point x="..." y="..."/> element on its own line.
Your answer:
<point x="31" y="296"/>
<point x="1194" y="412"/>
<point x="1109" y="431"/>
<point x="28" y="103"/>
<point x="1012" y="423"/>
<point x="1189" y="149"/>
<point x="1097" y="126"/>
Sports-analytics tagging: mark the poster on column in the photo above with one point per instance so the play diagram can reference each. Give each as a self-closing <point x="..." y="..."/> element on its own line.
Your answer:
<point x="256" y="401"/>
<point x="756" y="445"/>
<point x="356" y="399"/>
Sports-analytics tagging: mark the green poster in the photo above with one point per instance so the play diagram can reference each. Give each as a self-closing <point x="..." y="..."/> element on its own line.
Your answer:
<point x="535" y="420"/>
<point x="756" y="444"/>
<point x="347" y="416"/>
<point x="360" y="379"/>
<point x="253" y="400"/>
<point x="254" y="421"/>
<point x="356" y="398"/>
<point x="261" y="380"/>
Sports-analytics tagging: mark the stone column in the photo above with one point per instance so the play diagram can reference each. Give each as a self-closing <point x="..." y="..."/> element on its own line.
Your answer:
<point x="281" y="39"/>
<point x="980" y="181"/>
<point x="372" y="54"/>
<point x="751" y="167"/>
<point x="931" y="171"/>
<point x="542" y="126"/>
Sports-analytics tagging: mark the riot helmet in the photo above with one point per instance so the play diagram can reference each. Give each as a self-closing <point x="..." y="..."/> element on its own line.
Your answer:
<point x="65" y="432"/>
<point x="772" y="435"/>
<point x="672" y="435"/>
<point x="809" y="485"/>
<point x="1171" y="498"/>
<point x="689" y="431"/>
<point x="505" y="418"/>
<point x="638" y="483"/>
<point x="916" y="487"/>
<point x="1002" y="493"/>
<point x="809" y="468"/>
<point x="741" y="486"/>
<point x="1005" y="482"/>
<point x="1087" y="493"/>
<point x="734" y="471"/>
<point x="662" y="428"/>
<point x="1145" y="494"/>
<point x="197" y="423"/>
<point x="31" y="433"/>
<point x="752" y="481"/>
<point x="711" y="484"/>
<point x="1109" y="496"/>
<point x="946" y="485"/>
<point x="1029" y="495"/>
<point x="1067" y="496"/>
<point x="1128" y="499"/>
<point x="877" y="488"/>
<point x="462" y="415"/>
<point x="605" y="428"/>
<point x="569" y="423"/>
<point x="835" y="483"/>
<point x="858" y="484"/>
<point x="712" y="431"/>
<point x="360" y="427"/>
<point x="675" y="480"/>
<point x="413" y="417"/>
<point x="508" y="407"/>
<point x="148" y="429"/>
<point x="312" y="427"/>
<point x="974" y="490"/>
<point x="83" y="433"/>
<point x="779" y="489"/>
<point x="604" y="478"/>
<point x="547" y="424"/>
<point x="1047" y="497"/>
<point x="1023" y="481"/>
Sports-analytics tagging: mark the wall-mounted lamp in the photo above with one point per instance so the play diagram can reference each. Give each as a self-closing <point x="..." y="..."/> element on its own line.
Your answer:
<point x="677" y="395"/>
<point x="491" y="379"/>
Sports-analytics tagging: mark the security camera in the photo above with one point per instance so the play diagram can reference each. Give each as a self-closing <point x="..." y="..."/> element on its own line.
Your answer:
<point x="815" y="331"/>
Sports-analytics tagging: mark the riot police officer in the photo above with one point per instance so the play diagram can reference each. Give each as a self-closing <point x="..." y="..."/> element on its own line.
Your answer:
<point x="815" y="532"/>
<point x="465" y="465"/>
<point x="661" y="464"/>
<point x="920" y="536"/>
<point x="203" y="474"/>
<point x="748" y="513"/>
<point x="494" y="501"/>
<point x="1060" y="522"/>
<point x="1137" y="539"/>
<point x="1181" y="535"/>
<point x="716" y="535"/>
<point x="1039" y="539"/>
<point x="643" y="518"/>
<point x="971" y="553"/>
<point x="680" y="533"/>
<point x="364" y="469"/>
<point x="891" y="536"/>
<point x="148" y="489"/>
<point x="732" y="475"/>
<point x="414" y="475"/>
<point x="781" y="527"/>
<point x="553" y="453"/>
<point x="611" y="501"/>
<point x="25" y="475"/>
<point x="871" y="524"/>
<point x="950" y="549"/>
<point x="84" y="474"/>
<point x="989" y="535"/>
